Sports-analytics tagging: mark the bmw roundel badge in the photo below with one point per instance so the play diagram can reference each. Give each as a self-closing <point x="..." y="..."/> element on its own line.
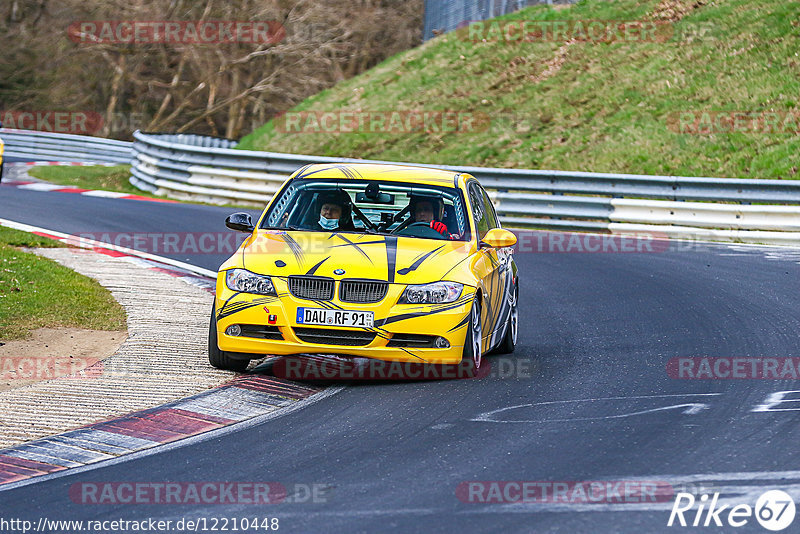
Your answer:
<point x="338" y="271"/>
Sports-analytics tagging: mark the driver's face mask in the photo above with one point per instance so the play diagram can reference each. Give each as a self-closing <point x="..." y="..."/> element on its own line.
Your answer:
<point x="328" y="224"/>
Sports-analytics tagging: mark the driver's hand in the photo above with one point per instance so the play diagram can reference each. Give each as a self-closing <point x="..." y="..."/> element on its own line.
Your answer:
<point x="439" y="227"/>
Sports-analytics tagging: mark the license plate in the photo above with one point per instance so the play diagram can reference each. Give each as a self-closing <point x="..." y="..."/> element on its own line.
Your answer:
<point x="322" y="316"/>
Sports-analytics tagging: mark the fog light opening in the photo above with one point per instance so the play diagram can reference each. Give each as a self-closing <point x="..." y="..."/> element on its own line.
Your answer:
<point x="233" y="330"/>
<point x="442" y="343"/>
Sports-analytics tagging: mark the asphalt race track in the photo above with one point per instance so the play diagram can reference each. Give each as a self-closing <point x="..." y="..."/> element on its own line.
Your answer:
<point x="586" y="397"/>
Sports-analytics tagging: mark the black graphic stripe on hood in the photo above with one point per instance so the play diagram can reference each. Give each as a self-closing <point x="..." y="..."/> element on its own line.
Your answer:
<point x="391" y="257"/>
<point x="310" y="172"/>
<point x="361" y="243"/>
<point x="444" y="276"/>
<point x="350" y="173"/>
<point x="414" y="266"/>
<point x="295" y="247"/>
<point x="314" y="268"/>
<point x="344" y="169"/>
<point x="349" y="243"/>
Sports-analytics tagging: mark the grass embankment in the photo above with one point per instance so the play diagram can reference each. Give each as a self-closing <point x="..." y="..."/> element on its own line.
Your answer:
<point x="37" y="292"/>
<point x="583" y="105"/>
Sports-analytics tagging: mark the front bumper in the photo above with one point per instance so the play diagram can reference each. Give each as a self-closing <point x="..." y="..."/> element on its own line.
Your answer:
<point x="394" y="324"/>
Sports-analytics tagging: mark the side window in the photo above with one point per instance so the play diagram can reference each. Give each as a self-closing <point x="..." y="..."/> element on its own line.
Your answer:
<point x="478" y="210"/>
<point x="488" y="208"/>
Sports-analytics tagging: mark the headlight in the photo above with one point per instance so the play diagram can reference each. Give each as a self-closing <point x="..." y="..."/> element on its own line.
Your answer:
<point x="247" y="282"/>
<point x="435" y="293"/>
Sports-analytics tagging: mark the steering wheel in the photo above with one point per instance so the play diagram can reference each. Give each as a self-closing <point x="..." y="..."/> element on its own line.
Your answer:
<point x="420" y="229"/>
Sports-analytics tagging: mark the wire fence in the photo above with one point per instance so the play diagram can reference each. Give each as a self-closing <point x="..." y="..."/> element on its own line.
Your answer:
<point x="442" y="16"/>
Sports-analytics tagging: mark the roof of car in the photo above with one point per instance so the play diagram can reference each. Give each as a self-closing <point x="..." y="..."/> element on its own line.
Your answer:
<point x="378" y="171"/>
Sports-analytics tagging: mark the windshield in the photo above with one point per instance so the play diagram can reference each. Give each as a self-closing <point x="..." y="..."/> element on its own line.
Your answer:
<point x="370" y="206"/>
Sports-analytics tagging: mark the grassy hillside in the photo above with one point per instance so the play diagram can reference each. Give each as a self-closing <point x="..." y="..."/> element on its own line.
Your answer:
<point x="578" y="105"/>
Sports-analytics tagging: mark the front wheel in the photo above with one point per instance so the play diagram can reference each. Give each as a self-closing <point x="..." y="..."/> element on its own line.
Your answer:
<point x="472" y="355"/>
<point x="221" y="359"/>
<point x="512" y="327"/>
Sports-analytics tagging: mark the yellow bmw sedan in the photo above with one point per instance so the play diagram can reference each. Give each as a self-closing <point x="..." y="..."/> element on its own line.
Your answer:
<point x="390" y="262"/>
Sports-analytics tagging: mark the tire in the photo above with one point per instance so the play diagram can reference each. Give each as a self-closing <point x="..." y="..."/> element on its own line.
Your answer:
<point x="472" y="355"/>
<point x="512" y="329"/>
<point x="218" y="358"/>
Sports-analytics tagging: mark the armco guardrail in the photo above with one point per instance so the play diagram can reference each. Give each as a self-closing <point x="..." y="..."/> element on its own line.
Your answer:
<point x="210" y="170"/>
<point x="46" y="146"/>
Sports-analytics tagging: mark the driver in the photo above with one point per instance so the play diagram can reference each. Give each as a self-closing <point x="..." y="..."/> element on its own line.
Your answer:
<point x="429" y="210"/>
<point x="334" y="211"/>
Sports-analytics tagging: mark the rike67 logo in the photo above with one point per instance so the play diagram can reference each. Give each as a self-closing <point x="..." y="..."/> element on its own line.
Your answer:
<point x="774" y="510"/>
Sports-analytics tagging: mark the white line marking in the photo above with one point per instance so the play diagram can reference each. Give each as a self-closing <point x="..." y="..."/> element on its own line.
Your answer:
<point x="42" y="187"/>
<point x="111" y="438"/>
<point x="105" y="194"/>
<point x="692" y="408"/>
<point x="91" y="243"/>
<point x="28" y="454"/>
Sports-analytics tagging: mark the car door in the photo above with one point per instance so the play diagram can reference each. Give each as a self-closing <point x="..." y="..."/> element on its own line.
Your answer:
<point x="490" y="267"/>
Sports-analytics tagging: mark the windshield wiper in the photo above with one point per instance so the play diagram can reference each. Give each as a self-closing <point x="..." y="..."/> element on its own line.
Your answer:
<point x="372" y="231"/>
<point x="287" y="227"/>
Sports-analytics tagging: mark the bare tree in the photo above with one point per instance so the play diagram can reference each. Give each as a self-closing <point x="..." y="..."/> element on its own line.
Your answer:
<point x="225" y="88"/>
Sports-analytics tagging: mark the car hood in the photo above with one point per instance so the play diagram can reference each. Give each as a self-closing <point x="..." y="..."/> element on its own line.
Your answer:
<point x="391" y="258"/>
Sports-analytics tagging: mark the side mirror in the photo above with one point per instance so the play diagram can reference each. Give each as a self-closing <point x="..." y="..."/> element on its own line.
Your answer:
<point x="241" y="222"/>
<point x="498" y="238"/>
